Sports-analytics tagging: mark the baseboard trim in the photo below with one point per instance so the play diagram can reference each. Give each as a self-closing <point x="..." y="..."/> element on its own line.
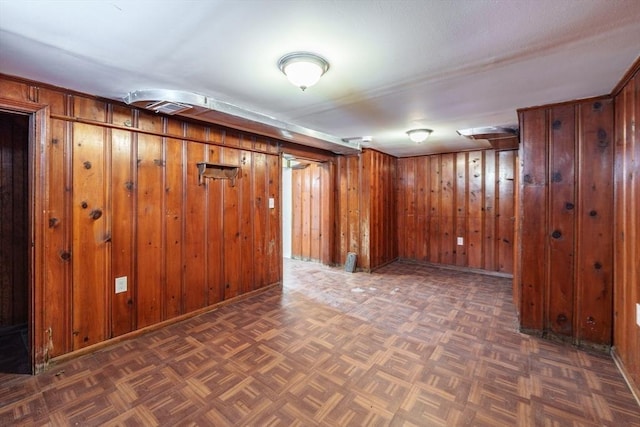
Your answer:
<point x="625" y="374"/>
<point x="154" y="327"/>
<point x="456" y="268"/>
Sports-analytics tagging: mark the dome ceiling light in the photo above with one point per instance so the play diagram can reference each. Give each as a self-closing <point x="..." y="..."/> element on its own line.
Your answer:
<point x="303" y="69"/>
<point x="419" y="135"/>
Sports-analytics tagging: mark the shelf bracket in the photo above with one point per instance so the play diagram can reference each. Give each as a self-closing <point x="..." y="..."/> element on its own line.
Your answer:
<point x="217" y="171"/>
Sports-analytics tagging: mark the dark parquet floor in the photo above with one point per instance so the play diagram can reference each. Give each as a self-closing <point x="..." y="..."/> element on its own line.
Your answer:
<point x="408" y="345"/>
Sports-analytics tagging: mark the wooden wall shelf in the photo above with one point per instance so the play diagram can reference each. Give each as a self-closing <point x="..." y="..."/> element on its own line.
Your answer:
<point x="217" y="171"/>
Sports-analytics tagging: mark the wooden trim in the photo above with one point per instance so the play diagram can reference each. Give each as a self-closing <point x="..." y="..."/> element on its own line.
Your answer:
<point x="626" y="78"/>
<point x="163" y="134"/>
<point x="456" y="268"/>
<point x="558" y="104"/>
<point x="635" y="390"/>
<point x="307" y="153"/>
<point x="459" y="151"/>
<point x="38" y="137"/>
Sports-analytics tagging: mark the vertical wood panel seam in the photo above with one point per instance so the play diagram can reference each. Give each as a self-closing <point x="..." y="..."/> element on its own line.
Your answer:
<point x="134" y="234"/>
<point x="108" y="223"/>
<point x="68" y="228"/>
<point x="547" y="221"/>
<point x="577" y="250"/>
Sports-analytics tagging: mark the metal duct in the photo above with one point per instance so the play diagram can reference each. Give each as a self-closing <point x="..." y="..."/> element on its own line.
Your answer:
<point x="203" y="108"/>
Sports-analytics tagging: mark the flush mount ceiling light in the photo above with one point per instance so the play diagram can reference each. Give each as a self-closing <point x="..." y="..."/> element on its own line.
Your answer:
<point x="303" y="69"/>
<point x="419" y="135"/>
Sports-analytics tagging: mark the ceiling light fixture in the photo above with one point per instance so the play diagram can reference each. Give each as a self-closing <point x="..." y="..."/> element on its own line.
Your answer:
<point x="419" y="135"/>
<point x="303" y="69"/>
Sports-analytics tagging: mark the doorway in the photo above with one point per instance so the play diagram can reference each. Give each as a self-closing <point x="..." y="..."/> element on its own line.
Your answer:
<point x="14" y="238"/>
<point x="307" y="203"/>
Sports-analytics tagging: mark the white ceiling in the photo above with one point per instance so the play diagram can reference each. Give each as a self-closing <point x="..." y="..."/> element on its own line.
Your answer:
<point x="395" y="65"/>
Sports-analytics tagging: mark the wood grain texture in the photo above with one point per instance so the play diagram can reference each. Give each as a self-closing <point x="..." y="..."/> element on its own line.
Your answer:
<point x="90" y="236"/>
<point x="626" y="218"/>
<point x="306" y="233"/>
<point x="562" y="202"/>
<point x="365" y="209"/>
<point x="468" y="195"/>
<point x="566" y="221"/>
<point x="594" y="281"/>
<point x="119" y="195"/>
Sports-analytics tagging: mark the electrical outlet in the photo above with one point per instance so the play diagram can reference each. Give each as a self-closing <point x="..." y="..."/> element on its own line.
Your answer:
<point x="121" y="284"/>
<point x="460" y="241"/>
<point x="638" y="314"/>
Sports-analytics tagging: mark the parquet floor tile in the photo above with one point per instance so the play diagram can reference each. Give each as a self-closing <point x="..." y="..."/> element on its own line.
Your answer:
<point x="409" y="345"/>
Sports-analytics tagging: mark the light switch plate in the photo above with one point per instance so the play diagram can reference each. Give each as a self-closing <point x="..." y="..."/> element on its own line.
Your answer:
<point x="638" y="314"/>
<point x="121" y="284"/>
<point x="460" y="241"/>
<point x="272" y="203"/>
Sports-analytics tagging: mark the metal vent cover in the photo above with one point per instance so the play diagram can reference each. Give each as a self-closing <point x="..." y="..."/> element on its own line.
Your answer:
<point x="168" y="107"/>
<point x="489" y="132"/>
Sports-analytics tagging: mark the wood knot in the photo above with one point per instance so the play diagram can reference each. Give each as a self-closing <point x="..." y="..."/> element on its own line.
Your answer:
<point x="556" y="177"/>
<point x="95" y="214"/>
<point x="84" y="205"/>
<point x="557" y="124"/>
<point x="528" y="179"/>
<point x="87" y="165"/>
<point x="597" y="106"/>
<point x="556" y="234"/>
<point x="53" y="222"/>
<point x="562" y="318"/>
<point x="597" y="266"/>
<point x="569" y="206"/>
<point x="128" y="185"/>
<point x="593" y="213"/>
<point x="65" y="256"/>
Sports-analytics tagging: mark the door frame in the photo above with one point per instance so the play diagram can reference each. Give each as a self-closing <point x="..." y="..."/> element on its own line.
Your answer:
<point x="327" y="216"/>
<point x="36" y="147"/>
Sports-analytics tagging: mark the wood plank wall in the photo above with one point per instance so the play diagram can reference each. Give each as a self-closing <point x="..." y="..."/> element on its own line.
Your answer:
<point x="566" y="219"/>
<point x="306" y="232"/>
<point x="626" y="272"/>
<point x="122" y="199"/>
<point x="446" y="196"/>
<point x="379" y="195"/>
<point x="14" y="236"/>
<point x="348" y="206"/>
<point x="365" y="209"/>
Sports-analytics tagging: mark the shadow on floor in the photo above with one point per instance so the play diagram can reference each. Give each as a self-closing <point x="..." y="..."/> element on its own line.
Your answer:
<point x="14" y="350"/>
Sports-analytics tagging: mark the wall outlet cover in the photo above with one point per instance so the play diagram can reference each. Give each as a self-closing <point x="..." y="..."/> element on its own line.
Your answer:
<point x="121" y="284"/>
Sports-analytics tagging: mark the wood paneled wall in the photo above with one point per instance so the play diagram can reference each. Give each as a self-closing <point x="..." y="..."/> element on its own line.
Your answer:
<point x="14" y="214"/>
<point x="566" y="219"/>
<point x="378" y="193"/>
<point x="348" y="205"/>
<point x="121" y="198"/>
<point x="311" y="213"/>
<point x="626" y="272"/>
<point x="365" y="209"/>
<point x="468" y="195"/>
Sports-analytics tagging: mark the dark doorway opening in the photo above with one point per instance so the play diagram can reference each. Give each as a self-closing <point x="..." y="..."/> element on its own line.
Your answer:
<point x="14" y="238"/>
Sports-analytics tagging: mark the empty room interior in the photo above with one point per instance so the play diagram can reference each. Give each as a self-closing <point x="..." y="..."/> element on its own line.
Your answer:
<point x="332" y="213"/>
